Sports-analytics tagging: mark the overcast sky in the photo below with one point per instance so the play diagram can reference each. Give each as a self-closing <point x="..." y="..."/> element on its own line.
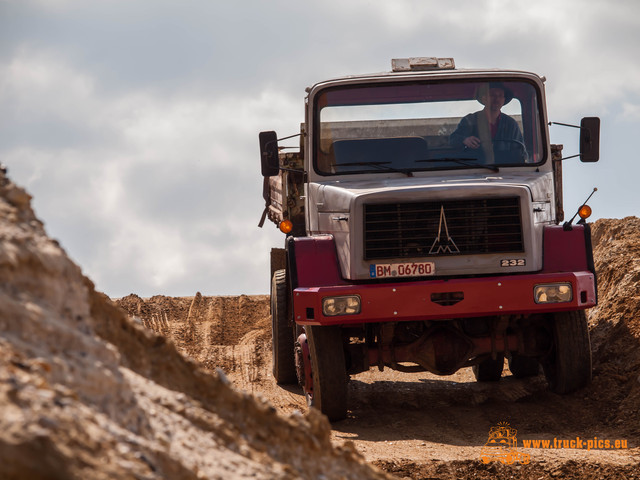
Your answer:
<point x="134" y="124"/>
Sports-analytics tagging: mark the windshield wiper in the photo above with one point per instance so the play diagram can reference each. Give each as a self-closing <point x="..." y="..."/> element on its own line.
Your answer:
<point x="462" y="161"/>
<point x="381" y="165"/>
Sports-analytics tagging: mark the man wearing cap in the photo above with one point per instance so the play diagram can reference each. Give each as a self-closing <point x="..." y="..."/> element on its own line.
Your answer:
<point x="489" y="130"/>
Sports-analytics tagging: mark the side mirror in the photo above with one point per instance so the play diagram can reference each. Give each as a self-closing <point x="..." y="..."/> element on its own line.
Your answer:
<point x="269" y="154"/>
<point x="590" y="139"/>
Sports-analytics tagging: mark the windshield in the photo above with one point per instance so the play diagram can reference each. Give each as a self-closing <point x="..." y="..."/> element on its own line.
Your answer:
<point x="427" y="126"/>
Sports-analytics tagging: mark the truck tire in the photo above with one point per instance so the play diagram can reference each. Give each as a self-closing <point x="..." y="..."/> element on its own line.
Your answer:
<point x="329" y="372"/>
<point x="489" y="370"/>
<point x="568" y="366"/>
<point x="284" y="368"/>
<point x="522" y="366"/>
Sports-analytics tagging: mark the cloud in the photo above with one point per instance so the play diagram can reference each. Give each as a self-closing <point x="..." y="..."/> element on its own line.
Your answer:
<point x="47" y="102"/>
<point x="143" y="187"/>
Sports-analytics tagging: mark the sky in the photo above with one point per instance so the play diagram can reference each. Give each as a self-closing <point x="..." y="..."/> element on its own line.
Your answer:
<point x="134" y="123"/>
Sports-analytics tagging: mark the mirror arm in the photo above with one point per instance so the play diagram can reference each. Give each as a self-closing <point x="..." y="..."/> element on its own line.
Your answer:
<point x="565" y="124"/>
<point x="294" y="170"/>
<point x="573" y="126"/>
<point x="290" y="136"/>
<point x="567" y="158"/>
<point x="283" y="138"/>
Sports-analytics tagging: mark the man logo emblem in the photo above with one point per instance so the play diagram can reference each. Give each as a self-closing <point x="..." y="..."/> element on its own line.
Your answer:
<point x="446" y="246"/>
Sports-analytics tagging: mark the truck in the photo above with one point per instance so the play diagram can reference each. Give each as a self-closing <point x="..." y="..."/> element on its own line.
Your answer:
<point x="424" y="229"/>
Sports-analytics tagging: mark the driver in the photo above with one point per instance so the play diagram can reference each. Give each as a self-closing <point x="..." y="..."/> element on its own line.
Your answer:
<point x="490" y="130"/>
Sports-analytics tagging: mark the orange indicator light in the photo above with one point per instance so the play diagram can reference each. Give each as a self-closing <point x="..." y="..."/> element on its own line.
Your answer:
<point x="584" y="212"/>
<point x="286" y="226"/>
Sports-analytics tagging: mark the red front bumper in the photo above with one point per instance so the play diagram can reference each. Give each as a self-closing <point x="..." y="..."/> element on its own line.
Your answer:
<point x="398" y="302"/>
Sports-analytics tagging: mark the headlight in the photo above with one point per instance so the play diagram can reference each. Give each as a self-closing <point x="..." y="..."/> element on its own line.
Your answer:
<point x="347" y="305"/>
<point x="553" y="293"/>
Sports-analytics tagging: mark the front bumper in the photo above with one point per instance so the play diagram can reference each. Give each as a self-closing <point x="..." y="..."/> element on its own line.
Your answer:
<point x="423" y="300"/>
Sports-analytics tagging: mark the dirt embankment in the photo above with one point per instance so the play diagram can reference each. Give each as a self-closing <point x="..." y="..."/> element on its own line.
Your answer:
<point x="87" y="393"/>
<point x="181" y="387"/>
<point x="615" y="323"/>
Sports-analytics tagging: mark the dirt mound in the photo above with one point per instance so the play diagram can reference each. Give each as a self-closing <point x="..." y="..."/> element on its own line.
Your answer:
<point x="615" y="322"/>
<point x="232" y="333"/>
<point x="87" y="393"/>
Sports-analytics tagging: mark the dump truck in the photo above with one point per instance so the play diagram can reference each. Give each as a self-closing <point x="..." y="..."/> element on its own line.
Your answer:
<point x="424" y="229"/>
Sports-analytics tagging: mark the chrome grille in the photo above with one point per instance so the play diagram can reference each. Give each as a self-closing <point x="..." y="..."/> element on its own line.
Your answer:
<point x="475" y="226"/>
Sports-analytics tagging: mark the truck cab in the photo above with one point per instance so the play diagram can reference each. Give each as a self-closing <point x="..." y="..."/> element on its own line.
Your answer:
<point x="422" y="216"/>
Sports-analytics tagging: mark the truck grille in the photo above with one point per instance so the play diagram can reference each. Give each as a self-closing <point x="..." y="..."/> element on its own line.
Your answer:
<point x="403" y="230"/>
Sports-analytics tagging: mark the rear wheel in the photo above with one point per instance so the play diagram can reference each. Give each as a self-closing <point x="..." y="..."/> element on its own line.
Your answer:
<point x="568" y="366"/>
<point x="328" y="370"/>
<point x="489" y="370"/>
<point x="284" y="368"/>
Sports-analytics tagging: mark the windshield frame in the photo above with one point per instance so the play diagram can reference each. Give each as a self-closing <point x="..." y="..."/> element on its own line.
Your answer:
<point x="533" y="115"/>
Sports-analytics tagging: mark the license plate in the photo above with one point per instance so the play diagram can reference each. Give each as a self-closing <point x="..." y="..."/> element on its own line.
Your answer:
<point x="384" y="270"/>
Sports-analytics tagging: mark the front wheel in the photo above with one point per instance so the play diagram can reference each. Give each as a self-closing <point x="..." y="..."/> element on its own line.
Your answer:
<point x="284" y="368"/>
<point x="568" y="365"/>
<point x="328" y="370"/>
